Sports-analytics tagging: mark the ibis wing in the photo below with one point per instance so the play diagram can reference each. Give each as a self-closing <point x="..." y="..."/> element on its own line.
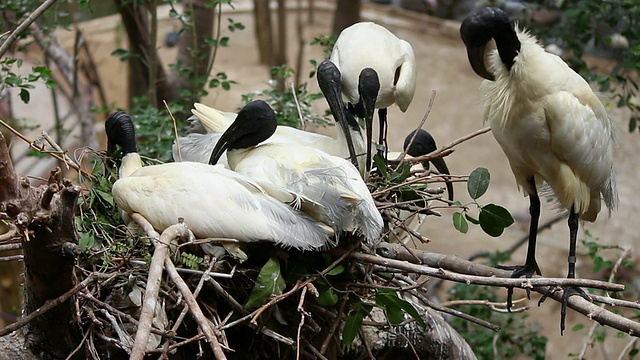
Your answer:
<point x="212" y="119"/>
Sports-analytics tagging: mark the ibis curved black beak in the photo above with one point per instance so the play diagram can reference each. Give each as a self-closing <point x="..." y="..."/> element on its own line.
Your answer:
<point x="442" y="168"/>
<point x="476" y="59"/>
<point x="368" y="88"/>
<point x="329" y="78"/>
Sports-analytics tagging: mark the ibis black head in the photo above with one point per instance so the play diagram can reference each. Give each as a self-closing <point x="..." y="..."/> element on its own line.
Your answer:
<point x="120" y="131"/>
<point x="255" y="123"/>
<point x="424" y="144"/>
<point x="329" y="78"/>
<point x="483" y="25"/>
<point x="368" y="88"/>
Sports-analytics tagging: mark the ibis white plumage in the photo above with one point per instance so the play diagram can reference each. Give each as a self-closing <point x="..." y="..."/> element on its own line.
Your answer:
<point x="208" y="124"/>
<point x="378" y="69"/>
<point x="212" y="200"/>
<point x="549" y="123"/>
<point x="330" y="181"/>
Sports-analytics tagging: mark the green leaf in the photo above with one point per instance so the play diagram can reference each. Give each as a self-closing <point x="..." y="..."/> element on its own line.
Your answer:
<point x="500" y="215"/>
<point x="472" y="219"/>
<point x="25" y="96"/>
<point x="494" y="219"/>
<point x="577" y="327"/>
<point x="352" y="324"/>
<point x="224" y="41"/>
<point x="338" y="269"/>
<point x="393" y="306"/>
<point x="460" y="223"/>
<point x="380" y="164"/>
<point x="478" y="182"/>
<point x="86" y="241"/>
<point x="268" y="284"/>
<point x="327" y="298"/>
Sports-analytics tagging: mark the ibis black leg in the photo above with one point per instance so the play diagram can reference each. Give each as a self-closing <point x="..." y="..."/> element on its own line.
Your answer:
<point x="569" y="291"/>
<point x="382" y="138"/>
<point x="530" y="266"/>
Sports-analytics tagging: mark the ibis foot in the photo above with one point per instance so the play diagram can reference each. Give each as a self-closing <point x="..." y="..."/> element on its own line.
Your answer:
<point x="527" y="270"/>
<point x="568" y="291"/>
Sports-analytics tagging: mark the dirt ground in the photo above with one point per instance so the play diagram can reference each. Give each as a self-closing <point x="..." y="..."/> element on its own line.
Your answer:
<point x="443" y="67"/>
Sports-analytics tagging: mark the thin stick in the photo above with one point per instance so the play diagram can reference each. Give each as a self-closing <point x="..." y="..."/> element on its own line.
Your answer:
<point x="46" y="307"/>
<point x="424" y="119"/>
<point x="295" y="100"/>
<point x="524" y="283"/>
<point x="24" y="26"/>
<point x="31" y="145"/>
<point x="444" y="149"/>
<point x="175" y="130"/>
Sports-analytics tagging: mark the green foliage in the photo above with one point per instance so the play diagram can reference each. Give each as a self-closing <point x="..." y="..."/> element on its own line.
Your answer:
<point x="190" y="260"/>
<point x="394" y="307"/>
<point x="268" y="284"/>
<point x="354" y="319"/>
<point x="154" y="129"/>
<point x="326" y="42"/>
<point x="493" y="219"/>
<point x="11" y="77"/>
<point x="285" y="104"/>
<point x="515" y="338"/>
<point x="601" y="23"/>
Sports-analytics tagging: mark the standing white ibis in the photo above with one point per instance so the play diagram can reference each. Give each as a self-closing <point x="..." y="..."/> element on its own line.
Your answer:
<point x="330" y="181"/>
<point x="378" y="69"/>
<point x="550" y="125"/>
<point x="208" y="124"/>
<point x="213" y="201"/>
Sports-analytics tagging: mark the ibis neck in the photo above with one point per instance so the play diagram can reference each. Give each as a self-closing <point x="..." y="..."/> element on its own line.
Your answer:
<point x="508" y="44"/>
<point x="130" y="163"/>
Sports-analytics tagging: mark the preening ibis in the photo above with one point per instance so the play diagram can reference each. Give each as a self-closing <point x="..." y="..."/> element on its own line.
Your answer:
<point x="423" y="144"/>
<point x="197" y="147"/>
<point x="378" y="70"/>
<point x="328" y="180"/>
<point x="550" y="125"/>
<point x="212" y="200"/>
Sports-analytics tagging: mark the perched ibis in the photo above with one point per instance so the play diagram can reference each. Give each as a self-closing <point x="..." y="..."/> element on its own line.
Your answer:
<point x="377" y="69"/>
<point x="330" y="181"/>
<point x="553" y="129"/>
<point x="213" y="201"/>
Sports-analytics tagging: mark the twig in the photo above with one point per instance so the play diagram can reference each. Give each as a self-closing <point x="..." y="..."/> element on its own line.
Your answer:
<point x="175" y="129"/>
<point x="334" y="326"/>
<point x="295" y="100"/>
<point x="13" y="230"/>
<point x="7" y="247"/>
<point x="57" y="148"/>
<point x="303" y="293"/>
<point x="195" y="310"/>
<point x="31" y="145"/>
<point x="524" y="283"/>
<point x="594" y="312"/>
<point x="46" y="307"/>
<point x="627" y="348"/>
<point x="494" y="306"/>
<point x="447" y="149"/>
<point x="424" y="119"/>
<point x="24" y="26"/>
<point x="154" y="279"/>
<point x="12" y="258"/>
<point x="592" y="329"/>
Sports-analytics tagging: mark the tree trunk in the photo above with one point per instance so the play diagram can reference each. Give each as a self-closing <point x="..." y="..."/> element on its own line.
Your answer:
<point x="281" y="56"/>
<point x="194" y="51"/>
<point x="347" y="13"/>
<point x="136" y="23"/>
<point x="44" y="218"/>
<point x="264" y="31"/>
